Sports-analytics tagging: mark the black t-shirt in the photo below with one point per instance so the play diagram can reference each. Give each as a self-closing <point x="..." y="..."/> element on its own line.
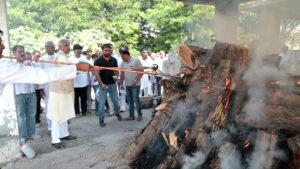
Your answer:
<point x="107" y="75"/>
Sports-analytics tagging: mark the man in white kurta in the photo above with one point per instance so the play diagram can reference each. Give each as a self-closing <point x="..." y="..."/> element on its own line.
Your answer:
<point x="61" y="101"/>
<point x="145" y="81"/>
<point x="50" y="56"/>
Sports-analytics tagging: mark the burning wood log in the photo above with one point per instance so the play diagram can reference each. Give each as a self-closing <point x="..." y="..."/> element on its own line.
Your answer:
<point x="190" y="55"/>
<point x="279" y="117"/>
<point x="214" y="81"/>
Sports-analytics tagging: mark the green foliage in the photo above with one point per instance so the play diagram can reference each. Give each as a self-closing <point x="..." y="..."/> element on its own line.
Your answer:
<point x="153" y="24"/>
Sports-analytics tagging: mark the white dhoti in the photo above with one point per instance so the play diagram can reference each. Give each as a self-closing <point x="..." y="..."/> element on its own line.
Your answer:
<point x="59" y="130"/>
<point x="145" y="83"/>
<point x="123" y="100"/>
<point x="46" y="89"/>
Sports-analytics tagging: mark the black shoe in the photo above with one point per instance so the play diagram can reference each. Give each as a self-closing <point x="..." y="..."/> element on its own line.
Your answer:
<point x="119" y="117"/>
<point x="69" y="138"/>
<point x="102" y="124"/>
<point x="57" y="145"/>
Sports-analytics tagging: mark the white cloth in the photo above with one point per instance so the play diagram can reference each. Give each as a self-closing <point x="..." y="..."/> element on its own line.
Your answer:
<point x="59" y="130"/>
<point x="25" y="88"/>
<point x="123" y="100"/>
<point x="44" y="66"/>
<point x="11" y="72"/>
<point x="46" y="86"/>
<point x="81" y="79"/>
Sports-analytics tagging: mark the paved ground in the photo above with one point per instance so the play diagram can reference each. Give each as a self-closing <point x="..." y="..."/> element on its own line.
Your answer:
<point x="98" y="148"/>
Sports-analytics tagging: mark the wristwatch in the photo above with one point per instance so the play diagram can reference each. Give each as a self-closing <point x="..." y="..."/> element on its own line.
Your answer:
<point x="135" y="80"/>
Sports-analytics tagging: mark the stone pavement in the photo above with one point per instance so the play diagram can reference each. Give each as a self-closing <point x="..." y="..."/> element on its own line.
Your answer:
<point x="95" y="147"/>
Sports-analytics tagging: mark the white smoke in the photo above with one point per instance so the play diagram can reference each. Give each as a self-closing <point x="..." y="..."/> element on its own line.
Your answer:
<point x="191" y="162"/>
<point x="230" y="158"/>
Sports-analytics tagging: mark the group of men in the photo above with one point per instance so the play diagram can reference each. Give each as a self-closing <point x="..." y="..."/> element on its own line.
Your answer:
<point x="65" y="91"/>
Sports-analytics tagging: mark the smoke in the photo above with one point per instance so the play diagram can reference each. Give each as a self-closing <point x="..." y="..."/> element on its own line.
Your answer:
<point x="219" y="137"/>
<point x="260" y="158"/>
<point x="230" y="158"/>
<point x="191" y="162"/>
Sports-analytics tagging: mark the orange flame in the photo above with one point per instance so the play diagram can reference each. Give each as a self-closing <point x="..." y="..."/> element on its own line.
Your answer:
<point x="227" y="82"/>
<point x="187" y="132"/>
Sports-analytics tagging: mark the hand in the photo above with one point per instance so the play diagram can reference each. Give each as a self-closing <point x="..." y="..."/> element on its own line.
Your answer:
<point x="104" y="86"/>
<point x="90" y="81"/>
<point x="122" y="87"/>
<point x="83" y="66"/>
<point x="42" y="94"/>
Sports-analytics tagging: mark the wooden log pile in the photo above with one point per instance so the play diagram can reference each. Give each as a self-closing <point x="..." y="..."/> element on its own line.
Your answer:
<point x="207" y="99"/>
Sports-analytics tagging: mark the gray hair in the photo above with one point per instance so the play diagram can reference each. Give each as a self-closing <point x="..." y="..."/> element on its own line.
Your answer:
<point x="60" y="42"/>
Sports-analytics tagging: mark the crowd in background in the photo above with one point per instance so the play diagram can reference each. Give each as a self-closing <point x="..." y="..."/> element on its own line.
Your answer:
<point x="110" y="91"/>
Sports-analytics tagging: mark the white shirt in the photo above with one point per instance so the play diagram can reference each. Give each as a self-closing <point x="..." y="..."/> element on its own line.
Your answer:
<point x="11" y="72"/>
<point x="23" y="88"/>
<point x="81" y="79"/>
<point x="46" y="57"/>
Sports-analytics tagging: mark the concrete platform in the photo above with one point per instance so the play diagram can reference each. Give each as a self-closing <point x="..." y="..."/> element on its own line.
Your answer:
<point x="95" y="147"/>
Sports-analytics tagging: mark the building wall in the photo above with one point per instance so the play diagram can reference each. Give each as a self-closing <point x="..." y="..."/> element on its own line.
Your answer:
<point x="9" y="133"/>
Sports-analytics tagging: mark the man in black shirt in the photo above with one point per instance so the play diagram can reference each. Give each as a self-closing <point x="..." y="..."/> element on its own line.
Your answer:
<point x="107" y="81"/>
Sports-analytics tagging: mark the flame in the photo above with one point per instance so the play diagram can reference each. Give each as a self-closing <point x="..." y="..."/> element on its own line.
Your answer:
<point x="227" y="82"/>
<point x="187" y="132"/>
<point x="227" y="103"/>
<point x="208" y="87"/>
<point x="247" y="144"/>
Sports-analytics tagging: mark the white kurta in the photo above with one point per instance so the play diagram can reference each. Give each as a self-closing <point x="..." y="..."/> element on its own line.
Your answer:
<point x="11" y="72"/>
<point x="145" y="81"/>
<point x="46" y="86"/>
<point x="61" y="96"/>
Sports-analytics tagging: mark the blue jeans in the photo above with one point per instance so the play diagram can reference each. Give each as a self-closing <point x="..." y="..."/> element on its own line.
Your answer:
<point x="26" y="107"/>
<point x="95" y="87"/>
<point x="113" y="92"/>
<point x="133" y="97"/>
<point x="158" y="79"/>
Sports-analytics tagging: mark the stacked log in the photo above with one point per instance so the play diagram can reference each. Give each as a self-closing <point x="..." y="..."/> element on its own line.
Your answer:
<point x="210" y="98"/>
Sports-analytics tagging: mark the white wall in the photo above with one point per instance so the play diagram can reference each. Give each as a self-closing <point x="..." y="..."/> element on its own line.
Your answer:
<point x="9" y="133"/>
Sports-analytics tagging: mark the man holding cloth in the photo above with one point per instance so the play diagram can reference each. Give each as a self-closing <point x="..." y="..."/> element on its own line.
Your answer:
<point x="61" y="101"/>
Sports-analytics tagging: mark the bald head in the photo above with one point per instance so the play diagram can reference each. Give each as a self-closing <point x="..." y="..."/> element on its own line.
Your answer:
<point x="50" y="47"/>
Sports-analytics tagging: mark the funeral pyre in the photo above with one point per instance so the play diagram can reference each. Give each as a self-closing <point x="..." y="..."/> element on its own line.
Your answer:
<point x="221" y="113"/>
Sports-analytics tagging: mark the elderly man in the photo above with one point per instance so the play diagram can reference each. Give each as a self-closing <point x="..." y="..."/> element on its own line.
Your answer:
<point x="61" y="101"/>
<point x="49" y="56"/>
<point x="11" y="72"/>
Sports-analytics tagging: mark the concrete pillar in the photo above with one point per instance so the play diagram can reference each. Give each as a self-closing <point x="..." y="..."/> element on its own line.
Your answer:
<point x="269" y="32"/>
<point x="226" y="20"/>
<point x="9" y="133"/>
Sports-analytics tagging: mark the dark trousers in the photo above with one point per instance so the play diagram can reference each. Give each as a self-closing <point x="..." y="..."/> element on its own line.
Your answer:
<point x="158" y="79"/>
<point x="82" y="94"/>
<point x="38" y="106"/>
